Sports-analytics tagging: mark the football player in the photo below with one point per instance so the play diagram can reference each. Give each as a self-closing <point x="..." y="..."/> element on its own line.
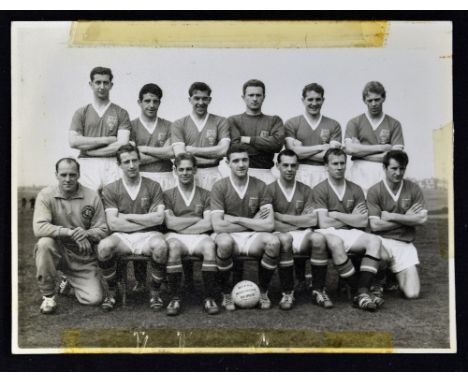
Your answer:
<point x="293" y="206"/>
<point x="98" y="130"/>
<point x="188" y="213"/>
<point x="369" y="136"/>
<point x="242" y="218"/>
<point x="343" y="216"/>
<point x="152" y="135"/>
<point x="396" y="207"/>
<point x="134" y="210"/>
<point x="310" y="135"/>
<point x="202" y="134"/>
<point x="261" y="135"/>
<point x="69" y="222"/>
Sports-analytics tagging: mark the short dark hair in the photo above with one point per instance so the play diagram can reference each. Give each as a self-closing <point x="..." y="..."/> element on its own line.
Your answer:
<point x="373" y="87"/>
<point x="287" y="153"/>
<point x="101" y="70"/>
<point x="336" y="152"/>
<point x="400" y="156"/>
<point x="255" y="83"/>
<point x="150" y="88"/>
<point x="128" y="148"/>
<point x="67" y="160"/>
<point x="185" y="156"/>
<point x="235" y="148"/>
<point x="200" y="86"/>
<point x="313" y="87"/>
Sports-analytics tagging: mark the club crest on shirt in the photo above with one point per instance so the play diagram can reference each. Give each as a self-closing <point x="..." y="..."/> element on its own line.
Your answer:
<point x="264" y="134"/>
<point x="111" y="122"/>
<point x="198" y="209"/>
<point x="299" y="206"/>
<point x="405" y="203"/>
<point x="211" y="136"/>
<point x="253" y="205"/>
<point x="161" y="138"/>
<point x="87" y="213"/>
<point x="325" y="135"/>
<point x="145" y="202"/>
<point x="349" y="204"/>
<point x="384" y="136"/>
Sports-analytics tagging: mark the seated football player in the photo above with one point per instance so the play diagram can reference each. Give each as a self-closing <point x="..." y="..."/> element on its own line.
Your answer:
<point x="396" y="207"/>
<point x="293" y="206"/>
<point x="343" y="216"/>
<point x="242" y="218"/>
<point x="134" y="209"/>
<point x="188" y="218"/>
<point x="69" y="221"/>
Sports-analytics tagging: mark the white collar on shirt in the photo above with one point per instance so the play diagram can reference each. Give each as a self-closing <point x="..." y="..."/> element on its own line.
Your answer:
<point x="396" y="196"/>
<point x="200" y="125"/>
<point x="100" y="110"/>
<point x="313" y="126"/>
<point x="132" y="190"/>
<point x="240" y="192"/>
<point x="285" y="193"/>
<point x="376" y="124"/>
<point x="192" y="194"/>
<point x="149" y="128"/>
<point x="340" y="196"/>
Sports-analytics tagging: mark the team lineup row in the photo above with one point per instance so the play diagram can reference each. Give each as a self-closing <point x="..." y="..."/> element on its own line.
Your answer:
<point x="101" y="128"/>
<point x="248" y="218"/>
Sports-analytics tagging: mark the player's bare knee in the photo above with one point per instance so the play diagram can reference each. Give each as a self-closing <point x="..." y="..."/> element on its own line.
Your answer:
<point x="272" y="245"/>
<point x="45" y="244"/>
<point x="208" y="249"/>
<point x="318" y="243"/>
<point x="224" y="244"/>
<point x="106" y="248"/>
<point x="158" y="249"/>
<point x="411" y="293"/>
<point x="374" y="245"/>
<point x="286" y="241"/>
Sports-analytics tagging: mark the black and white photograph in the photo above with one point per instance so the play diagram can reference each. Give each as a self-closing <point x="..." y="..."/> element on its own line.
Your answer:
<point x="232" y="187"/>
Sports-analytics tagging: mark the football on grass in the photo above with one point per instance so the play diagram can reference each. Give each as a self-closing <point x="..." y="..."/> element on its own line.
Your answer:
<point x="246" y="294"/>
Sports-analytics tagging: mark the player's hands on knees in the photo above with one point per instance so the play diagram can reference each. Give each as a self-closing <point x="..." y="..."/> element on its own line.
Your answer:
<point x="84" y="246"/>
<point x="360" y="209"/>
<point x="79" y="233"/>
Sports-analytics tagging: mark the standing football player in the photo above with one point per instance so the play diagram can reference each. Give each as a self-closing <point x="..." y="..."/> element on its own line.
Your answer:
<point x="188" y="216"/>
<point x="69" y="222"/>
<point x="396" y="207"/>
<point x="242" y="216"/>
<point x="202" y="134"/>
<point x="293" y="206"/>
<point x="98" y="130"/>
<point x="310" y="135"/>
<point x="369" y="136"/>
<point x="343" y="216"/>
<point x="152" y="135"/>
<point x="134" y="209"/>
<point x="261" y="135"/>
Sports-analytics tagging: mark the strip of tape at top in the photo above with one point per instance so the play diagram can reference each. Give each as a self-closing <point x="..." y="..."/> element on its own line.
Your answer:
<point x="230" y="34"/>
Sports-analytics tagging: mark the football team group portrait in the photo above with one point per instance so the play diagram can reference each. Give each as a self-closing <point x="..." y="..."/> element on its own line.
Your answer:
<point x="259" y="218"/>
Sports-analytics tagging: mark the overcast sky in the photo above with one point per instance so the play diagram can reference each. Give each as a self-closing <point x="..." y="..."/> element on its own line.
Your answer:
<point x="50" y="81"/>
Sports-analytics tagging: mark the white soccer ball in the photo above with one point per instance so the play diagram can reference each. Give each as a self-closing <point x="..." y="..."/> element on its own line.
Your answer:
<point x="246" y="294"/>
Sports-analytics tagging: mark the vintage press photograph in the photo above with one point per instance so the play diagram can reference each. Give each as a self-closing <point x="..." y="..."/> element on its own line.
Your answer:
<point x="232" y="187"/>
